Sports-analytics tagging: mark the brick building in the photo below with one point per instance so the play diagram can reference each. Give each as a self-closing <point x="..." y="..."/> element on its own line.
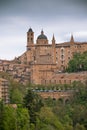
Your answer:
<point x="46" y="60"/>
<point x="43" y="62"/>
<point x="4" y="94"/>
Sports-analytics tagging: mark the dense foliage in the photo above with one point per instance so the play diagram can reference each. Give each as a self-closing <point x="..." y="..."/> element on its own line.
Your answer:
<point x="13" y="118"/>
<point x="35" y="113"/>
<point x="78" y="63"/>
<point x="33" y="103"/>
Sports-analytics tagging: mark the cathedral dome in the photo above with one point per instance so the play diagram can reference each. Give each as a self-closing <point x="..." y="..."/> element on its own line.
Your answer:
<point x="42" y="36"/>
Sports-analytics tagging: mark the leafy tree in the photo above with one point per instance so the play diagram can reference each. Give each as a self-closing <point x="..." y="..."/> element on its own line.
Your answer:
<point x="78" y="116"/>
<point x="80" y="127"/>
<point x="80" y="93"/>
<point x="33" y="102"/>
<point x="14" y="118"/>
<point x="23" y="119"/>
<point x="16" y="96"/>
<point x="16" y="92"/>
<point x="9" y="119"/>
<point x="1" y="115"/>
<point x="78" y="63"/>
<point x="49" y="120"/>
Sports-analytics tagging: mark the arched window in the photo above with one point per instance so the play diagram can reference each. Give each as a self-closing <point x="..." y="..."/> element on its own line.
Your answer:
<point x="62" y="50"/>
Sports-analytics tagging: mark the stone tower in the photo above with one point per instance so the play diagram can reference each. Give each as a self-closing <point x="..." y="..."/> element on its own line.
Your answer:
<point x="30" y="38"/>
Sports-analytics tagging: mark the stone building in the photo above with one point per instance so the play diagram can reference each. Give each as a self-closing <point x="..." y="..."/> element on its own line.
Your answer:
<point x="46" y="60"/>
<point x="4" y="94"/>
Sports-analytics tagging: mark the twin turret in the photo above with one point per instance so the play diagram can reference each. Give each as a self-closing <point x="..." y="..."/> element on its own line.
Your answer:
<point x="41" y="39"/>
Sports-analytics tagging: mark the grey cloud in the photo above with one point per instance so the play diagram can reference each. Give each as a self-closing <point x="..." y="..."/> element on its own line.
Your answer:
<point x="54" y="16"/>
<point x="41" y="8"/>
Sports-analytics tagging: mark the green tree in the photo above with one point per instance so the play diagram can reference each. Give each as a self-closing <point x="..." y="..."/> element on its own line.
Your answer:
<point x="49" y="120"/>
<point x="33" y="102"/>
<point x="1" y="115"/>
<point x="22" y="119"/>
<point x="78" y="63"/>
<point x="9" y="118"/>
<point x="16" y="96"/>
<point x="16" y="92"/>
<point x="80" y="127"/>
<point x="14" y="118"/>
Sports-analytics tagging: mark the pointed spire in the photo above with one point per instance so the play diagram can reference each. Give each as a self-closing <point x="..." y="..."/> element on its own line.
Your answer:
<point x="53" y="39"/>
<point x="72" y="39"/>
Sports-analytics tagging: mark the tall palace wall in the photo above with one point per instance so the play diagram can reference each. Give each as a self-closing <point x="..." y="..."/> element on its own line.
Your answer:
<point x="44" y="62"/>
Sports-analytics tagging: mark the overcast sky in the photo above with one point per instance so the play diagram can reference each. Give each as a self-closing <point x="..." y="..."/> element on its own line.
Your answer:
<point x="61" y="17"/>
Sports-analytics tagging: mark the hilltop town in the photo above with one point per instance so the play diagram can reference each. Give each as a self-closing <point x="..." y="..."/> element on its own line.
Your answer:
<point x="43" y="62"/>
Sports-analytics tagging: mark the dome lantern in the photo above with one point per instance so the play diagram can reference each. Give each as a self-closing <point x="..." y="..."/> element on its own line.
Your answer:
<point x="42" y="36"/>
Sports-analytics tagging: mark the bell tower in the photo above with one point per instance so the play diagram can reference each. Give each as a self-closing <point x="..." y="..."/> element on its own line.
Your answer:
<point x="30" y="38"/>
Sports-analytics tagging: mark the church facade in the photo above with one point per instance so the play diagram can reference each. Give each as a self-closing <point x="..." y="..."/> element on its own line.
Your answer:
<point x="47" y="60"/>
